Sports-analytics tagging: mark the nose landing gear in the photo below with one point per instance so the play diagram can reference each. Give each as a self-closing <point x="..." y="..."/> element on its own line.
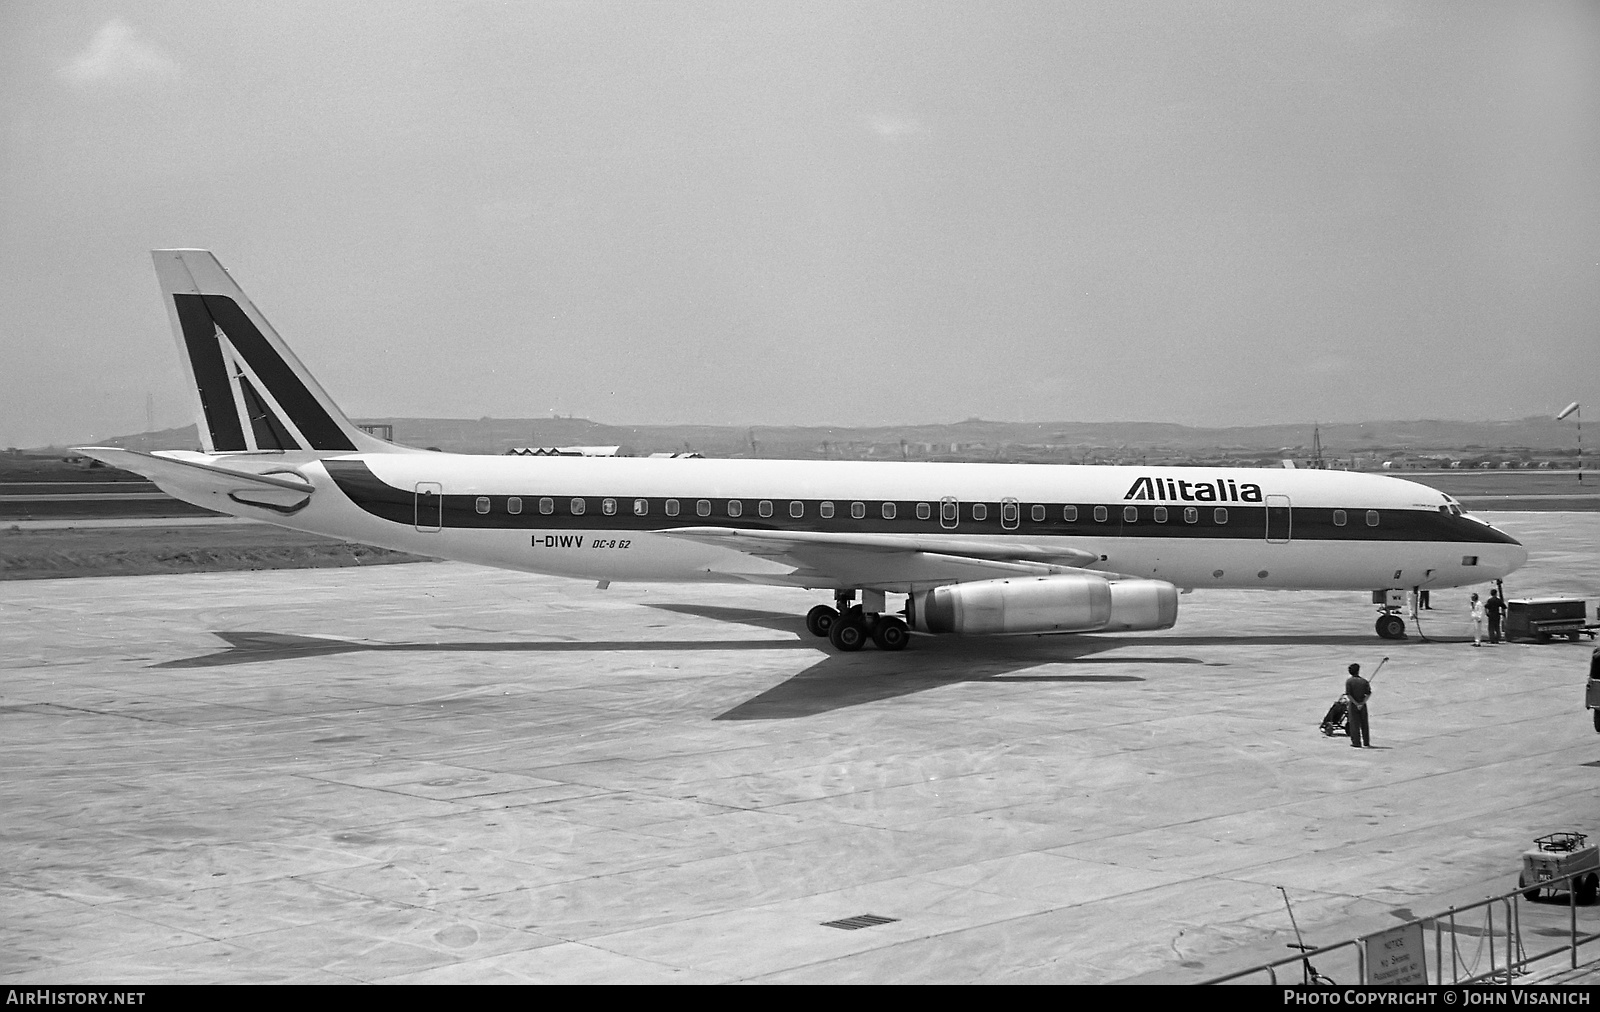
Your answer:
<point x="1391" y="627"/>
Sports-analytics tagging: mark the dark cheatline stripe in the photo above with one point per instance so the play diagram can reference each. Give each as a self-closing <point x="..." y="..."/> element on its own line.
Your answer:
<point x="380" y="499"/>
<point x="210" y="372"/>
<point x="308" y="415"/>
<point x="270" y="433"/>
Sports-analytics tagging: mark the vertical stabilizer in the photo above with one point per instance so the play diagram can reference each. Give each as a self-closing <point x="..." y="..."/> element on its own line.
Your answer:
<point x="253" y="393"/>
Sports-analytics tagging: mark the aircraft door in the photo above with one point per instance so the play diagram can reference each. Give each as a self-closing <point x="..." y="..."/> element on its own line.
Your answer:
<point x="1009" y="514"/>
<point x="1279" y="519"/>
<point x="430" y="506"/>
<point x="949" y="513"/>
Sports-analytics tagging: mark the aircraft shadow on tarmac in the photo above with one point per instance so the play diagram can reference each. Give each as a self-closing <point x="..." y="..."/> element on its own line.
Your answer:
<point x="834" y="682"/>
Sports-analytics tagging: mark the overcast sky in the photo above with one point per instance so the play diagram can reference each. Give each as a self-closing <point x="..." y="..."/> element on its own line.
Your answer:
<point x="796" y="212"/>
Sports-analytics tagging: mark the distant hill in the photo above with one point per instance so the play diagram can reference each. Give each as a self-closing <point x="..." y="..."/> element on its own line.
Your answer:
<point x="973" y="439"/>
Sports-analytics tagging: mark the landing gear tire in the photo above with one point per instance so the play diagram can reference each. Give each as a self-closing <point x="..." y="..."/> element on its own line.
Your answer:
<point x="820" y="619"/>
<point x="1391" y="627"/>
<point x="892" y="634"/>
<point x="1596" y="720"/>
<point x="847" y="634"/>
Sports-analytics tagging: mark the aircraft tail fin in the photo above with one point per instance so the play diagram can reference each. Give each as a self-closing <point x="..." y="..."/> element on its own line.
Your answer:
<point x="253" y="393"/>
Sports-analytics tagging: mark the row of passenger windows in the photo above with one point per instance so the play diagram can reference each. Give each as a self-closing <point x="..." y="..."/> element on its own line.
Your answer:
<point x="858" y="510"/>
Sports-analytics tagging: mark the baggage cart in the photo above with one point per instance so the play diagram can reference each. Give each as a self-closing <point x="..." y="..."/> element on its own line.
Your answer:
<point x="1561" y="854"/>
<point x="1541" y="618"/>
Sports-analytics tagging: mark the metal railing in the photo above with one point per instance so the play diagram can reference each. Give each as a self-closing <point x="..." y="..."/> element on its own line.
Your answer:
<point x="1515" y="963"/>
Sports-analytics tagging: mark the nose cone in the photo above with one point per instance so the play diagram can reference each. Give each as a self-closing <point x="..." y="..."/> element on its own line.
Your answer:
<point x="1504" y="559"/>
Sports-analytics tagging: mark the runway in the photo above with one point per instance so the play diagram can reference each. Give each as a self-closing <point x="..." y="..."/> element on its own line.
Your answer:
<point x="436" y="773"/>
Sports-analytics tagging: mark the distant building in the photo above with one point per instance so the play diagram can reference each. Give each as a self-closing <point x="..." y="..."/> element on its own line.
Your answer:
<point x="567" y="451"/>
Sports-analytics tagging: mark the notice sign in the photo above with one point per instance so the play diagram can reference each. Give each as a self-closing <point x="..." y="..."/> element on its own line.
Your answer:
<point x="1396" y="956"/>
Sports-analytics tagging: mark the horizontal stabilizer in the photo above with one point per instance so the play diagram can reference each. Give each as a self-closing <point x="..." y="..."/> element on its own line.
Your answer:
<point x="211" y="487"/>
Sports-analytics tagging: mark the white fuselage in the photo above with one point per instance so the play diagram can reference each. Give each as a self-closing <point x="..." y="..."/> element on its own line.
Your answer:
<point x="604" y="518"/>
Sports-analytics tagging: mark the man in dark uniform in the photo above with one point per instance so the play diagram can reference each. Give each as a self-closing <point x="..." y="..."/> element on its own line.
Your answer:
<point x="1357" y="690"/>
<point x="1495" y="608"/>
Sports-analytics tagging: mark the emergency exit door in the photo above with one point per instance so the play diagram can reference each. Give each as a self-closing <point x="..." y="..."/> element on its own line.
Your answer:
<point x="949" y="513"/>
<point x="1279" y="519"/>
<point x="429" y="506"/>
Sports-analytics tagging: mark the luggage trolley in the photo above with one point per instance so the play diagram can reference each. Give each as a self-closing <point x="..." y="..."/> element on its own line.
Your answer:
<point x="1542" y="618"/>
<point x="1560" y="854"/>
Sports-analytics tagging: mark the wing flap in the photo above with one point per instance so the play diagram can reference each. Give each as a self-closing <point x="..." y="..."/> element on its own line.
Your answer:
<point x="771" y="543"/>
<point x="889" y="562"/>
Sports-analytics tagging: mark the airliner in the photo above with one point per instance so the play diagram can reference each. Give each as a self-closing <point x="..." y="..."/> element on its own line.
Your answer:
<point x="973" y="549"/>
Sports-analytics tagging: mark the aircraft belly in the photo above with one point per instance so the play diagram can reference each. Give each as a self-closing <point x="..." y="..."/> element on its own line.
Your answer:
<point x="1307" y="565"/>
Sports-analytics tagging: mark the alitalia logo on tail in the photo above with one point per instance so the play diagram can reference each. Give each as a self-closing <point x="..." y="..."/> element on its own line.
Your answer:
<point x="1220" y="490"/>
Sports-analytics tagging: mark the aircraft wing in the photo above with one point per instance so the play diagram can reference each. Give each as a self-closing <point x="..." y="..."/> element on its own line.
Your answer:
<point x="207" y="485"/>
<point x="891" y="562"/>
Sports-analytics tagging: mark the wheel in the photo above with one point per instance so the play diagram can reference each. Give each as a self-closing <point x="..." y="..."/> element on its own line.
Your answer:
<point x="1528" y="894"/>
<point x="1572" y="637"/>
<point x="891" y="634"/>
<point x="1587" y="886"/>
<point x="1596" y="719"/>
<point x="1391" y="627"/>
<point x="847" y="635"/>
<point x="820" y="619"/>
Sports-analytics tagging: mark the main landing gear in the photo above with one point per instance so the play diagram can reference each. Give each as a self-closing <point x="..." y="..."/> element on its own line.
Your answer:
<point x="849" y="626"/>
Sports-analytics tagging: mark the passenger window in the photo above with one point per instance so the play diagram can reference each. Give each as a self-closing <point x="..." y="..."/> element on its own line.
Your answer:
<point x="947" y="512"/>
<point x="1160" y="514"/>
<point x="924" y="511"/>
<point x="1130" y="514"/>
<point x="764" y="507"/>
<point x="1469" y="560"/>
<point x="735" y="508"/>
<point x="703" y="507"/>
<point x="672" y="507"/>
<point x="889" y="511"/>
<point x="514" y="504"/>
<point x="826" y="509"/>
<point x="1100" y="514"/>
<point x="547" y="506"/>
<point x="641" y="507"/>
<point x="1069" y="514"/>
<point x="980" y="511"/>
<point x="858" y="510"/>
<point x="578" y="506"/>
<point x="1372" y="518"/>
<point x="1038" y="513"/>
<point x="1339" y="518"/>
<point x="1191" y="515"/>
<point x="483" y="504"/>
<point x="797" y="508"/>
<point x="608" y="507"/>
<point x="1220" y="516"/>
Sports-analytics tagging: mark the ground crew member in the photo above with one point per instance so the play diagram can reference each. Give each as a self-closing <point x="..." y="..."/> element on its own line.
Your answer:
<point x="1495" y="608"/>
<point x="1357" y="690"/>
<point x="1477" y="621"/>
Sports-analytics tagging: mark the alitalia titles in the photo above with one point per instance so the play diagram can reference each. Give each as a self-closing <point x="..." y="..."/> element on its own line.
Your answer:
<point x="1171" y="489"/>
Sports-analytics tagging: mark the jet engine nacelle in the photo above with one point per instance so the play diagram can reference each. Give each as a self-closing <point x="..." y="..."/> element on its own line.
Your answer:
<point x="1039" y="604"/>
